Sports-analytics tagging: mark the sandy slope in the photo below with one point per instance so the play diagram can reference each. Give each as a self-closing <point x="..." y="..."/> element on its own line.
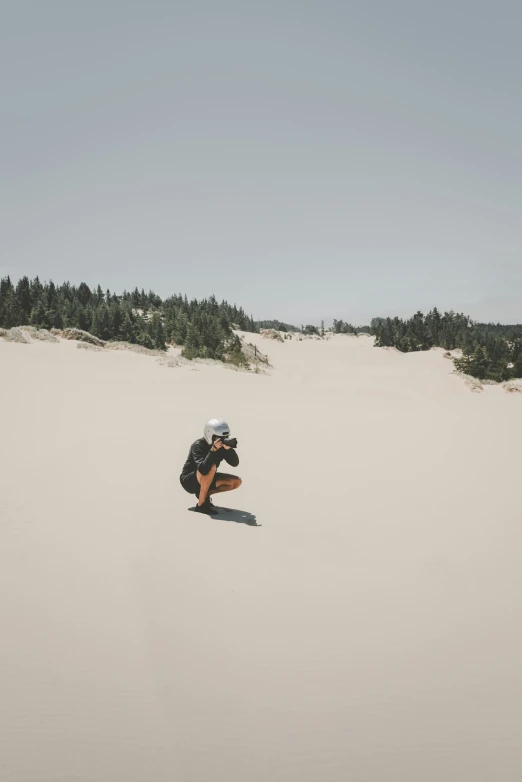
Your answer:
<point x="369" y="629"/>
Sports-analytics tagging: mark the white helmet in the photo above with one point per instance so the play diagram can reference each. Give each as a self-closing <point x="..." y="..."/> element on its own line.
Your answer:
<point x="216" y="426"/>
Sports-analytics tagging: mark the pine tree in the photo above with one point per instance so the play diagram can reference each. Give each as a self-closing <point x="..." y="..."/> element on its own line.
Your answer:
<point x="66" y="313"/>
<point x="126" y="332"/>
<point x="95" y="323"/>
<point x="192" y="346"/>
<point x="115" y="319"/>
<point x="157" y="332"/>
<point x="84" y="294"/>
<point x="181" y="330"/>
<point x="39" y="315"/>
<point x="23" y="294"/>
<point x="37" y="291"/>
<point x="144" y="339"/>
<point x="234" y="353"/>
<point x="12" y="314"/>
<point x="104" y="322"/>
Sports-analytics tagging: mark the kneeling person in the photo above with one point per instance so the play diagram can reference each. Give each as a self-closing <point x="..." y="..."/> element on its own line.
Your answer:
<point x="200" y="475"/>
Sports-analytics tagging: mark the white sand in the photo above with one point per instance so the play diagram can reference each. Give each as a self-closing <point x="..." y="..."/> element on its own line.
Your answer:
<point x="368" y="631"/>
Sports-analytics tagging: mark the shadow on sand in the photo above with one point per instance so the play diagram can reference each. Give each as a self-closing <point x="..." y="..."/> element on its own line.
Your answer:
<point x="237" y="516"/>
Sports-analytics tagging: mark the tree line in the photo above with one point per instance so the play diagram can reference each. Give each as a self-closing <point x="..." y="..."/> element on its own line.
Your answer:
<point x="278" y="325"/>
<point x="204" y="328"/>
<point x="341" y="327"/>
<point x="489" y="351"/>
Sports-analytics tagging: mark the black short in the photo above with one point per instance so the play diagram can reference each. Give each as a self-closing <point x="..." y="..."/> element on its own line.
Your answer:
<point x="191" y="484"/>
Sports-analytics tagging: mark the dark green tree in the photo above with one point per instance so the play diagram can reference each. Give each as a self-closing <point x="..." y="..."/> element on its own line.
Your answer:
<point x="127" y="332"/>
<point x="157" y="332"/>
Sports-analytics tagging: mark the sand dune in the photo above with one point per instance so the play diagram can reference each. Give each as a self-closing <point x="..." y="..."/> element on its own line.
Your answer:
<point x="355" y="616"/>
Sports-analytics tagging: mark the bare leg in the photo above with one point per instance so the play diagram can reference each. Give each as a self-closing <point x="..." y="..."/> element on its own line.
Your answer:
<point x="204" y="483"/>
<point x="226" y="483"/>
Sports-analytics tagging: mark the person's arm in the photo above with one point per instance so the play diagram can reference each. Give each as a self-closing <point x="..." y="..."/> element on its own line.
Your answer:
<point x="204" y="460"/>
<point x="231" y="456"/>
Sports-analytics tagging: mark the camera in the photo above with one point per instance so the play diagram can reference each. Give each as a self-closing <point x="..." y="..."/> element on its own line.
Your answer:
<point x="230" y="441"/>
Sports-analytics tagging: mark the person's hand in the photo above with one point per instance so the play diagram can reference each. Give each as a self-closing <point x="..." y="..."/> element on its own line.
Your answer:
<point x="218" y="443"/>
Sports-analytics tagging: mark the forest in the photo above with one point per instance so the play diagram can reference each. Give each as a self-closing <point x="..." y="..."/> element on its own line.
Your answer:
<point x="203" y="328"/>
<point x="489" y="351"/>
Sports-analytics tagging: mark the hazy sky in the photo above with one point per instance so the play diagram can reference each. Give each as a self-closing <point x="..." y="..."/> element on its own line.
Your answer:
<point x="306" y="160"/>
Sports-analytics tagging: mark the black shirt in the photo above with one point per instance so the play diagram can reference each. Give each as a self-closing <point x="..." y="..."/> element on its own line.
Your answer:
<point x="201" y="458"/>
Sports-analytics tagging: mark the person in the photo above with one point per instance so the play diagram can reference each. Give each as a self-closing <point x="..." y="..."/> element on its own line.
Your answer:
<point x="200" y="474"/>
